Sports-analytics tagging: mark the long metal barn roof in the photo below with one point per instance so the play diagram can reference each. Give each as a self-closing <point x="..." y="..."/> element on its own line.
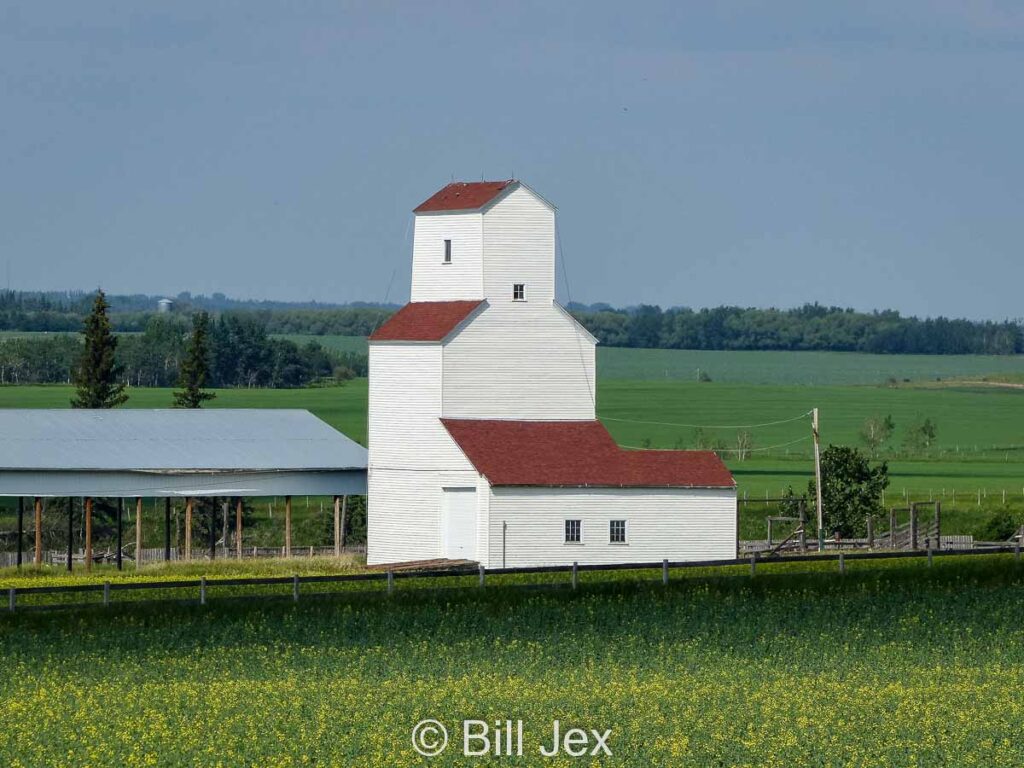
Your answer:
<point x="176" y="452"/>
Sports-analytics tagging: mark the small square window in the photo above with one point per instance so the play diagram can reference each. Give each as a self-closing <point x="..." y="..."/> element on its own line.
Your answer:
<point x="573" y="531"/>
<point x="519" y="292"/>
<point x="617" y="531"/>
<point x="447" y="251"/>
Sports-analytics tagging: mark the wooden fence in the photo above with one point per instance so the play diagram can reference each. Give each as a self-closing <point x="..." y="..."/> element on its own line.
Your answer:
<point x="388" y="578"/>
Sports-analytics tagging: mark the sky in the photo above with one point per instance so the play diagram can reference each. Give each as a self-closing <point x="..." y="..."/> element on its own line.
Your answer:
<point x="863" y="154"/>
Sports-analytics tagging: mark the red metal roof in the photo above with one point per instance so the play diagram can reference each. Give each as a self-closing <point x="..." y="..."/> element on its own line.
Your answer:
<point x="425" y="320"/>
<point x="577" y="454"/>
<point x="462" y="196"/>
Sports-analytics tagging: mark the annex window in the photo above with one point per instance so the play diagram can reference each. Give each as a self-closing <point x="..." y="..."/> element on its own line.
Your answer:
<point x="519" y="292"/>
<point x="447" y="251"/>
<point x="617" y="531"/>
<point x="573" y="531"/>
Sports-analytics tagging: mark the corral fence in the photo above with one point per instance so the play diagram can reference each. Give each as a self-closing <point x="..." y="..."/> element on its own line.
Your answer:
<point x="201" y="587"/>
<point x="151" y="555"/>
<point x="917" y="526"/>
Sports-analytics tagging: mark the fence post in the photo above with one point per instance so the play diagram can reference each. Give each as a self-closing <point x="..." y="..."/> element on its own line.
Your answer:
<point x="106" y="593"/>
<point x="295" y="587"/>
<point x="803" y="526"/>
<point x="842" y="562"/>
<point x="938" y="525"/>
<point x="871" y="531"/>
<point x="202" y="590"/>
<point x="753" y="564"/>
<point x="575" y="566"/>
<point x="892" y="528"/>
<point x="391" y="582"/>
<point x="929" y="554"/>
<point x="481" y="575"/>
<point x="664" y="572"/>
<point x="12" y="599"/>
<point x="913" y="526"/>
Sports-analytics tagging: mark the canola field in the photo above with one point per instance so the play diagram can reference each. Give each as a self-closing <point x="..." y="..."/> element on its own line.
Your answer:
<point x="893" y="663"/>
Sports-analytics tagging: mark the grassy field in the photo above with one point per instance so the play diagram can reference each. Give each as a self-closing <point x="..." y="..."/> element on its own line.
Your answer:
<point x="980" y="443"/>
<point x="891" y="664"/>
<point x="775" y="367"/>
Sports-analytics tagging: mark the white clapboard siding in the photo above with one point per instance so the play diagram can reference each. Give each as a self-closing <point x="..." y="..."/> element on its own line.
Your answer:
<point x="519" y="247"/>
<point x="403" y="427"/>
<point x="520" y="361"/>
<point x="677" y="525"/>
<point x="409" y="449"/>
<point x="432" y="279"/>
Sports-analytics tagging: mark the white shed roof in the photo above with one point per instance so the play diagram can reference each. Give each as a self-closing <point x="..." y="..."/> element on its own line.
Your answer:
<point x="128" y="439"/>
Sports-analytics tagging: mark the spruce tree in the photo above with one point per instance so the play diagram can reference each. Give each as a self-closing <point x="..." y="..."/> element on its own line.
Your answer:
<point x="195" y="368"/>
<point x="97" y="373"/>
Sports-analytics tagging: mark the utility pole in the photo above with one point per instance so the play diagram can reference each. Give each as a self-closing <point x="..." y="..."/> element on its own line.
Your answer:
<point x="817" y="478"/>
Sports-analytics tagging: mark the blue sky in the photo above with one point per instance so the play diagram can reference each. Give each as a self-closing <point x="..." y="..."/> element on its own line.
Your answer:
<point x="866" y="154"/>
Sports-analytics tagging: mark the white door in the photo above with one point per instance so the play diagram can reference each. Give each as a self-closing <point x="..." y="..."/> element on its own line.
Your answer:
<point x="458" y="524"/>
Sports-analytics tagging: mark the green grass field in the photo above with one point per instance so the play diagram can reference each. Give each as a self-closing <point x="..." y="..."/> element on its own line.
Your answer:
<point x="776" y="367"/>
<point x="980" y="433"/>
<point x="892" y="664"/>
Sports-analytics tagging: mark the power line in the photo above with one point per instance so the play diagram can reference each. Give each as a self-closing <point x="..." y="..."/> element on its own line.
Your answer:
<point x="708" y="426"/>
<point x="568" y="295"/>
<point x="729" y="450"/>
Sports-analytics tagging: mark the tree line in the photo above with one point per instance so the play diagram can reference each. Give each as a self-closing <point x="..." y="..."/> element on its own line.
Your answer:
<point x="810" y="327"/>
<point x="240" y="353"/>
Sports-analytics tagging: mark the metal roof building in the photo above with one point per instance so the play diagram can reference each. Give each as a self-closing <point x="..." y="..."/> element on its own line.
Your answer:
<point x="176" y="452"/>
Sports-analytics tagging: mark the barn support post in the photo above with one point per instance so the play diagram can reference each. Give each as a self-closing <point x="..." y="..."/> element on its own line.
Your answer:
<point x="344" y="518"/>
<point x="167" y="529"/>
<point x="871" y="531"/>
<point x="287" y="526"/>
<point x="225" y="505"/>
<point x="664" y="572"/>
<point x="238" y="528"/>
<point x="21" y="527"/>
<point x="188" y="528"/>
<point x="37" y="558"/>
<point x="120" y="531"/>
<point x="71" y="533"/>
<point x="213" y="529"/>
<point x="337" y="526"/>
<point x="575" y="574"/>
<point x="138" y="532"/>
<point x="88" y="533"/>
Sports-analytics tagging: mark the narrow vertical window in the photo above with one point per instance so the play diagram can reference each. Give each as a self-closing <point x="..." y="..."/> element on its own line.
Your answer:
<point x="573" y="531"/>
<point x="617" y="531"/>
<point x="519" y="292"/>
<point x="447" y="251"/>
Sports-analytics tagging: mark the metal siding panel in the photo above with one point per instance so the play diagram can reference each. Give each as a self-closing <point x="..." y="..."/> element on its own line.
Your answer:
<point x="151" y="484"/>
<point x="169" y="439"/>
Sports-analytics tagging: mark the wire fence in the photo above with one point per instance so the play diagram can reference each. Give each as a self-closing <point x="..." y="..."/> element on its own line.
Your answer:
<point x="427" y="579"/>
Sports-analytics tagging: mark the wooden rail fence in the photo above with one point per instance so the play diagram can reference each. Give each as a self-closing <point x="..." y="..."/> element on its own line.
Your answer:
<point x="388" y="578"/>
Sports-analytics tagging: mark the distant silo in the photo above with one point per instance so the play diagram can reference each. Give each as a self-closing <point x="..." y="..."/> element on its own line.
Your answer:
<point x="163" y="306"/>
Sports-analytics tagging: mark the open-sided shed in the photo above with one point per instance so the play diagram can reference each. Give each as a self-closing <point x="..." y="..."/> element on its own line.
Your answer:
<point x="135" y="453"/>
